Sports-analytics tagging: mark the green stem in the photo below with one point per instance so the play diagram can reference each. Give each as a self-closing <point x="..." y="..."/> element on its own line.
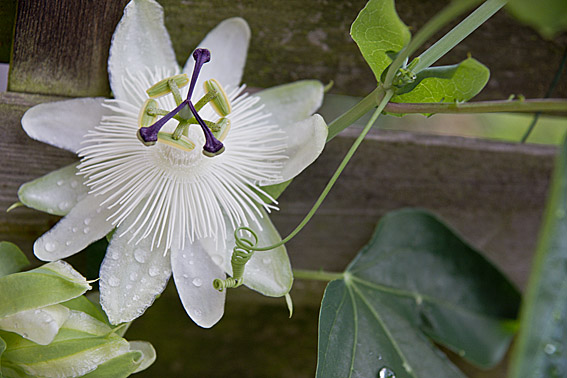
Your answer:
<point x="387" y="96"/>
<point x="354" y="113"/>
<point x="458" y="33"/>
<point x="447" y="15"/>
<point x="521" y="106"/>
<point x="318" y="275"/>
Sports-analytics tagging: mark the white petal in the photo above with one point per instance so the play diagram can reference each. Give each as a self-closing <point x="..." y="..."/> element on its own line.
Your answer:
<point x="84" y="224"/>
<point x="305" y="142"/>
<point x="148" y="354"/>
<point x="55" y="193"/>
<point x="228" y="44"/>
<point x="63" y="124"/>
<point x="139" y="42"/>
<point x="131" y="276"/>
<point x="194" y="273"/>
<point x="292" y="102"/>
<point x="38" y="325"/>
<point x="83" y="322"/>
<point x="267" y="272"/>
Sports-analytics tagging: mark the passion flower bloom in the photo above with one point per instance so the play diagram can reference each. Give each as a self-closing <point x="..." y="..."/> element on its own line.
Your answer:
<point x="168" y="175"/>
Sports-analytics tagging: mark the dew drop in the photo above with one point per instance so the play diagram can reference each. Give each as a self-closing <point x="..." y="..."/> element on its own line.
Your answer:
<point x="74" y="184"/>
<point x="217" y="259"/>
<point x="74" y="229"/>
<point x="113" y="281"/>
<point x="37" y="312"/>
<point x="197" y="282"/>
<point x="64" y="205"/>
<point x="133" y="276"/>
<point x="128" y="287"/>
<point x="143" y="280"/>
<point x="185" y="275"/>
<point x="99" y="210"/>
<point x="136" y="298"/>
<point x="197" y="313"/>
<point x="60" y="182"/>
<point x="114" y="256"/>
<point x="140" y="255"/>
<point x="154" y="271"/>
<point x="49" y="247"/>
<point x="68" y="243"/>
<point x="549" y="349"/>
<point x="266" y="260"/>
<point x="86" y="230"/>
<point x="184" y="255"/>
<point x="87" y="221"/>
<point x="191" y="262"/>
<point x="192" y="254"/>
<point x="386" y="372"/>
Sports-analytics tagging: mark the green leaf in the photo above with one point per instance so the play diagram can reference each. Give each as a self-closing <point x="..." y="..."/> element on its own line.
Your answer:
<point x="49" y="284"/>
<point x="415" y="277"/>
<point x="64" y="356"/>
<point x="377" y="31"/>
<point x="456" y="83"/>
<point x="84" y="305"/>
<point x="547" y="16"/>
<point x="12" y="259"/>
<point x="119" y="367"/>
<point x="2" y="349"/>
<point x="275" y="190"/>
<point x="541" y="350"/>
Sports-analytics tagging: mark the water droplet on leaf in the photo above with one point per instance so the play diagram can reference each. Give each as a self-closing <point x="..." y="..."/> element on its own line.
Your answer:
<point x="549" y="349"/>
<point x="386" y="372"/>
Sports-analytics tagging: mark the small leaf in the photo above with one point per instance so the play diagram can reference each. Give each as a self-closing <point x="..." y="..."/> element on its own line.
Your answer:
<point x="455" y="83"/>
<point x="415" y="277"/>
<point x="64" y="357"/>
<point x="547" y="16"/>
<point x="49" y="284"/>
<point x="118" y="367"/>
<point x="378" y="31"/>
<point x="541" y="349"/>
<point x="84" y="305"/>
<point x="148" y="354"/>
<point x="12" y="259"/>
<point x="38" y="325"/>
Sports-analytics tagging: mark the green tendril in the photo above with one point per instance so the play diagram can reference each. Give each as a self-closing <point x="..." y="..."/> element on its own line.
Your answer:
<point x="241" y="254"/>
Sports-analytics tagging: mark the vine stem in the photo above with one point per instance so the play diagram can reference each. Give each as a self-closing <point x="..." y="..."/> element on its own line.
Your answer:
<point x="386" y="97"/>
<point x="523" y="106"/>
<point x="316" y="275"/>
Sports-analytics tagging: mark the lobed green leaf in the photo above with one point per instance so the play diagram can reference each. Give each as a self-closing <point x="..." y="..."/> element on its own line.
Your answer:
<point x="541" y="349"/>
<point x="12" y="259"/>
<point x="378" y="31"/>
<point x="416" y="277"/>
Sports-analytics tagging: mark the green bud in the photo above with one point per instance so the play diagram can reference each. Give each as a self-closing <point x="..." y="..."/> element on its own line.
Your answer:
<point x="220" y="102"/>
<point x="163" y="87"/>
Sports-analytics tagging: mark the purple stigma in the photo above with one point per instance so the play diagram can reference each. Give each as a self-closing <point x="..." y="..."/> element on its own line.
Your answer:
<point x="148" y="135"/>
<point x="212" y="146"/>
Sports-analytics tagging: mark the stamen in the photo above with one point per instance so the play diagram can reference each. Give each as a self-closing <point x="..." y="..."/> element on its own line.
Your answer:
<point x="201" y="57"/>
<point x="148" y="135"/>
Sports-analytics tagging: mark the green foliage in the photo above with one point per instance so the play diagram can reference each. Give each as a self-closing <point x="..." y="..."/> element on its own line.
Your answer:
<point x="549" y="17"/>
<point x="377" y="31"/>
<point x="12" y="259"/>
<point x="49" y="284"/>
<point x="541" y="350"/>
<point x="456" y="83"/>
<point x="416" y="277"/>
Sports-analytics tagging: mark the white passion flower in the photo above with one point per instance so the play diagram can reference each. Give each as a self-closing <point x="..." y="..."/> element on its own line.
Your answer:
<point x="173" y="164"/>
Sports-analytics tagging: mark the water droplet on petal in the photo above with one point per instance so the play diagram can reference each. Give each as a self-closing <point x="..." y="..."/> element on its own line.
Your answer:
<point x="143" y="280"/>
<point x="185" y="275"/>
<point x="68" y="243"/>
<point x="87" y="221"/>
<point x="99" y="210"/>
<point x="113" y="281"/>
<point x="86" y="230"/>
<point x="386" y="372"/>
<point x="184" y="255"/>
<point x="135" y="298"/>
<point x="74" y="184"/>
<point x="63" y="206"/>
<point x="154" y="271"/>
<point x="60" y="182"/>
<point x="50" y="247"/>
<point x="74" y="229"/>
<point x="217" y="259"/>
<point x="197" y="282"/>
<point x="266" y="260"/>
<point x="191" y="262"/>
<point x="133" y="276"/>
<point x="140" y="255"/>
<point x="197" y="313"/>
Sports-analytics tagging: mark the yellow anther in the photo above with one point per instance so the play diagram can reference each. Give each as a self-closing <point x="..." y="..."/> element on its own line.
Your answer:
<point x="145" y="119"/>
<point x="220" y="103"/>
<point x="223" y="126"/>
<point x="162" y="87"/>
<point x="183" y="143"/>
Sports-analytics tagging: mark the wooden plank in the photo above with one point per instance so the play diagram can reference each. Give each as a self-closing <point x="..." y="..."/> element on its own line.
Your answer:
<point x="61" y="47"/>
<point x="492" y="192"/>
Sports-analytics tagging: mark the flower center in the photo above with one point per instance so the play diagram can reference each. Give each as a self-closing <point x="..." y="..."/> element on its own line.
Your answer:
<point x="186" y="113"/>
